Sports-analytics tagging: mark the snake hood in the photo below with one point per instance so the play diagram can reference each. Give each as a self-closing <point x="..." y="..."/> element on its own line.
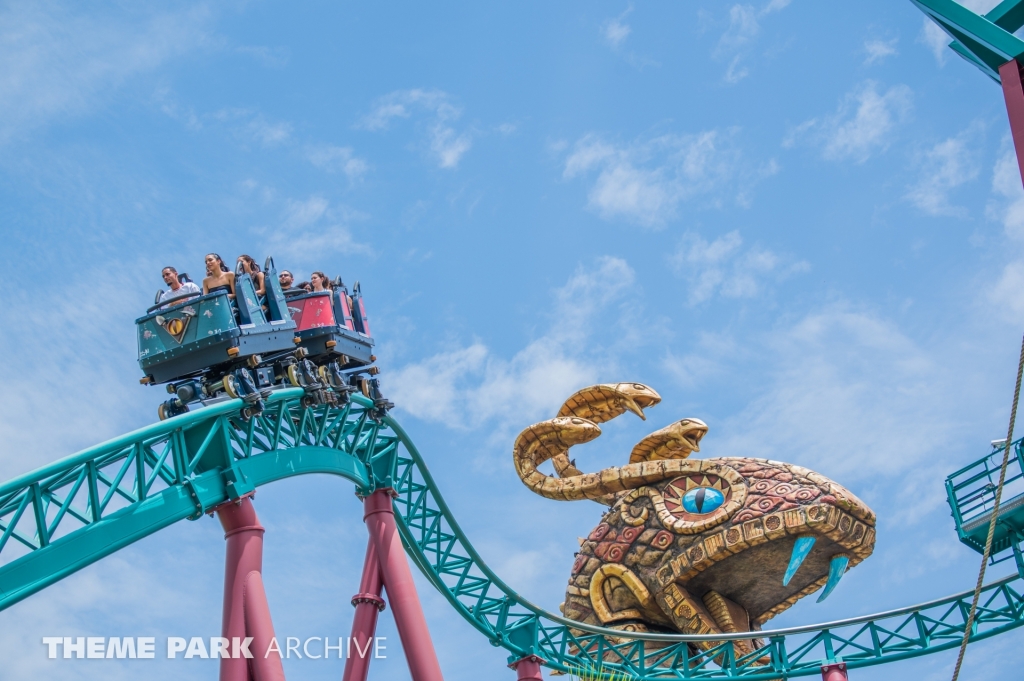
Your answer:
<point x="695" y="546"/>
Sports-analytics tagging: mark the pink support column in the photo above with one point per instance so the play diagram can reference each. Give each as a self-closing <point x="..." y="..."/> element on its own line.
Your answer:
<point x="834" y="672"/>
<point x="246" y="611"/>
<point x="1013" y="93"/>
<point x="401" y="590"/>
<point x="368" y="605"/>
<point x="259" y="625"/>
<point x="528" y="668"/>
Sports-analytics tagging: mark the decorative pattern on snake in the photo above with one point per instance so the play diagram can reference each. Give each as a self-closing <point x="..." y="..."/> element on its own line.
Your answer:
<point x="694" y="546"/>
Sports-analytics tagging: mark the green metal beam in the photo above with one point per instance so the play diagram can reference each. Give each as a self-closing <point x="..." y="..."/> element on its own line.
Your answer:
<point x="985" y="41"/>
<point x="76" y="511"/>
<point x="1007" y="15"/>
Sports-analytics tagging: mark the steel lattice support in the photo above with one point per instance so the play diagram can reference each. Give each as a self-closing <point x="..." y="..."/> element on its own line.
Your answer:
<point x="76" y="511"/>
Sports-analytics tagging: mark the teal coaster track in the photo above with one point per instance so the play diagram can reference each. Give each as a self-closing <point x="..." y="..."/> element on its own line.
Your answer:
<point x="78" y="510"/>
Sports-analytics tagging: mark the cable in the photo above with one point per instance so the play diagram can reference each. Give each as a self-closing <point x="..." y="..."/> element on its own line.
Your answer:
<point x="992" y="523"/>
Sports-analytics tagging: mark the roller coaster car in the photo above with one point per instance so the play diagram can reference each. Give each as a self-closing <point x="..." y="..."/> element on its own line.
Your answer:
<point x="206" y="344"/>
<point x="208" y="348"/>
<point x="333" y="331"/>
<point x="330" y="328"/>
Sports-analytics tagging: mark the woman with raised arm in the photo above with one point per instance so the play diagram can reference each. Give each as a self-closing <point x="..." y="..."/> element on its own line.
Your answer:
<point x="250" y="267"/>
<point x="218" y="276"/>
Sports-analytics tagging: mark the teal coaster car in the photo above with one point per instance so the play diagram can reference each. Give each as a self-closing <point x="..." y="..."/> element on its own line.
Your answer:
<point x="209" y="345"/>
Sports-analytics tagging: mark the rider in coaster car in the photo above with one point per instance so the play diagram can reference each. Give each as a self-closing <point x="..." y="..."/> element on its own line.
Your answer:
<point x="218" y="276"/>
<point x="180" y="285"/>
<point x="250" y="267"/>
<point x="319" y="281"/>
<point x="286" y="280"/>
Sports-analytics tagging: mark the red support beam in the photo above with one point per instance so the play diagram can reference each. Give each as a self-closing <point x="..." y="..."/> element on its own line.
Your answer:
<point x="246" y="611"/>
<point x="401" y="590"/>
<point x="368" y="604"/>
<point x="1013" y="93"/>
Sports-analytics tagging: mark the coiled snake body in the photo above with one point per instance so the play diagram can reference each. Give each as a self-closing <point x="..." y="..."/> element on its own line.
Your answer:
<point x="695" y="546"/>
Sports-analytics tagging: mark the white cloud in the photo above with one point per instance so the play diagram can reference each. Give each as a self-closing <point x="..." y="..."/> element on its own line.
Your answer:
<point x="274" y="57"/>
<point x="448" y="146"/>
<point x="744" y="27"/>
<point x="1007" y="204"/>
<point x="616" y="30"/>
<point x="723" y="267"/>
<point x="337" y="159"/>
<point x="736" y="71"/>
<point x="877" y="50"/>
<point x="709" y="357"/>
<point x="645" y="182"/>
<point x="1006" y="294"/>
<point x="312" y="228"/>
<point x="253" y="126"/>
<point x="935" y="39"/>
<point x="246" y="125"/>
<point x="946" y="166"/>
<point x="60" y="63"/>
<point x="39" y="421"/>
<point x="851" y="396"/>
<point x="446" y="143"/>
<point x="471" y="385"/>
<point x="863" y="124"/>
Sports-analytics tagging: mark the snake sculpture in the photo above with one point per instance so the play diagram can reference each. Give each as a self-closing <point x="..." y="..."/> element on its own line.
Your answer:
<point x="692" y="546"/>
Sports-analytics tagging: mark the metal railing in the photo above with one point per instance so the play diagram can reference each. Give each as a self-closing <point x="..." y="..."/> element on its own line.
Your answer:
<point x="971" y="492"/>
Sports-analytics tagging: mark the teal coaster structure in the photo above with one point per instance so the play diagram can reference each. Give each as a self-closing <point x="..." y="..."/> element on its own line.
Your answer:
<point x="971" y="494"/>
<point x="78" y="510"/>
<point x="988" y="42"/>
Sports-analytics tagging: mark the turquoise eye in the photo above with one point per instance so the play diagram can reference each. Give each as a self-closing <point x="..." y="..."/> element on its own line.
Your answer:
<point x="701" y="500"/>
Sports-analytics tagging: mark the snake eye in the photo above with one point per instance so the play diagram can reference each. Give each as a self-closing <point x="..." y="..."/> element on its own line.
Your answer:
<point x="701" y="500"/>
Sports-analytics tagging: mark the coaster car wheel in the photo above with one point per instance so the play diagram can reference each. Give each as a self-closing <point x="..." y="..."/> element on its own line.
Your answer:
<point x="171" y="407"/>
<point x="294" y="376"/>
<point x="231" y="386"/>
<point x="248" y="412"/>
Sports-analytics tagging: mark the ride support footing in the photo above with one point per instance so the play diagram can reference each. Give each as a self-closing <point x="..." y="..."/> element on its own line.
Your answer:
<point x="386" y="568"/>
<point x="527" y="668"/>
<point x="246" y="610"/>
<point x="834" y="672"/>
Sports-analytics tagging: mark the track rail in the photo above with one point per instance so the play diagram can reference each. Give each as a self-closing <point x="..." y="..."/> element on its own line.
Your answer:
<point x="78" y="510"/>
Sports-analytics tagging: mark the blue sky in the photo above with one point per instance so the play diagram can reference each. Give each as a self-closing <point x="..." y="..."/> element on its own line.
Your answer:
<point x="800" y="222"/>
